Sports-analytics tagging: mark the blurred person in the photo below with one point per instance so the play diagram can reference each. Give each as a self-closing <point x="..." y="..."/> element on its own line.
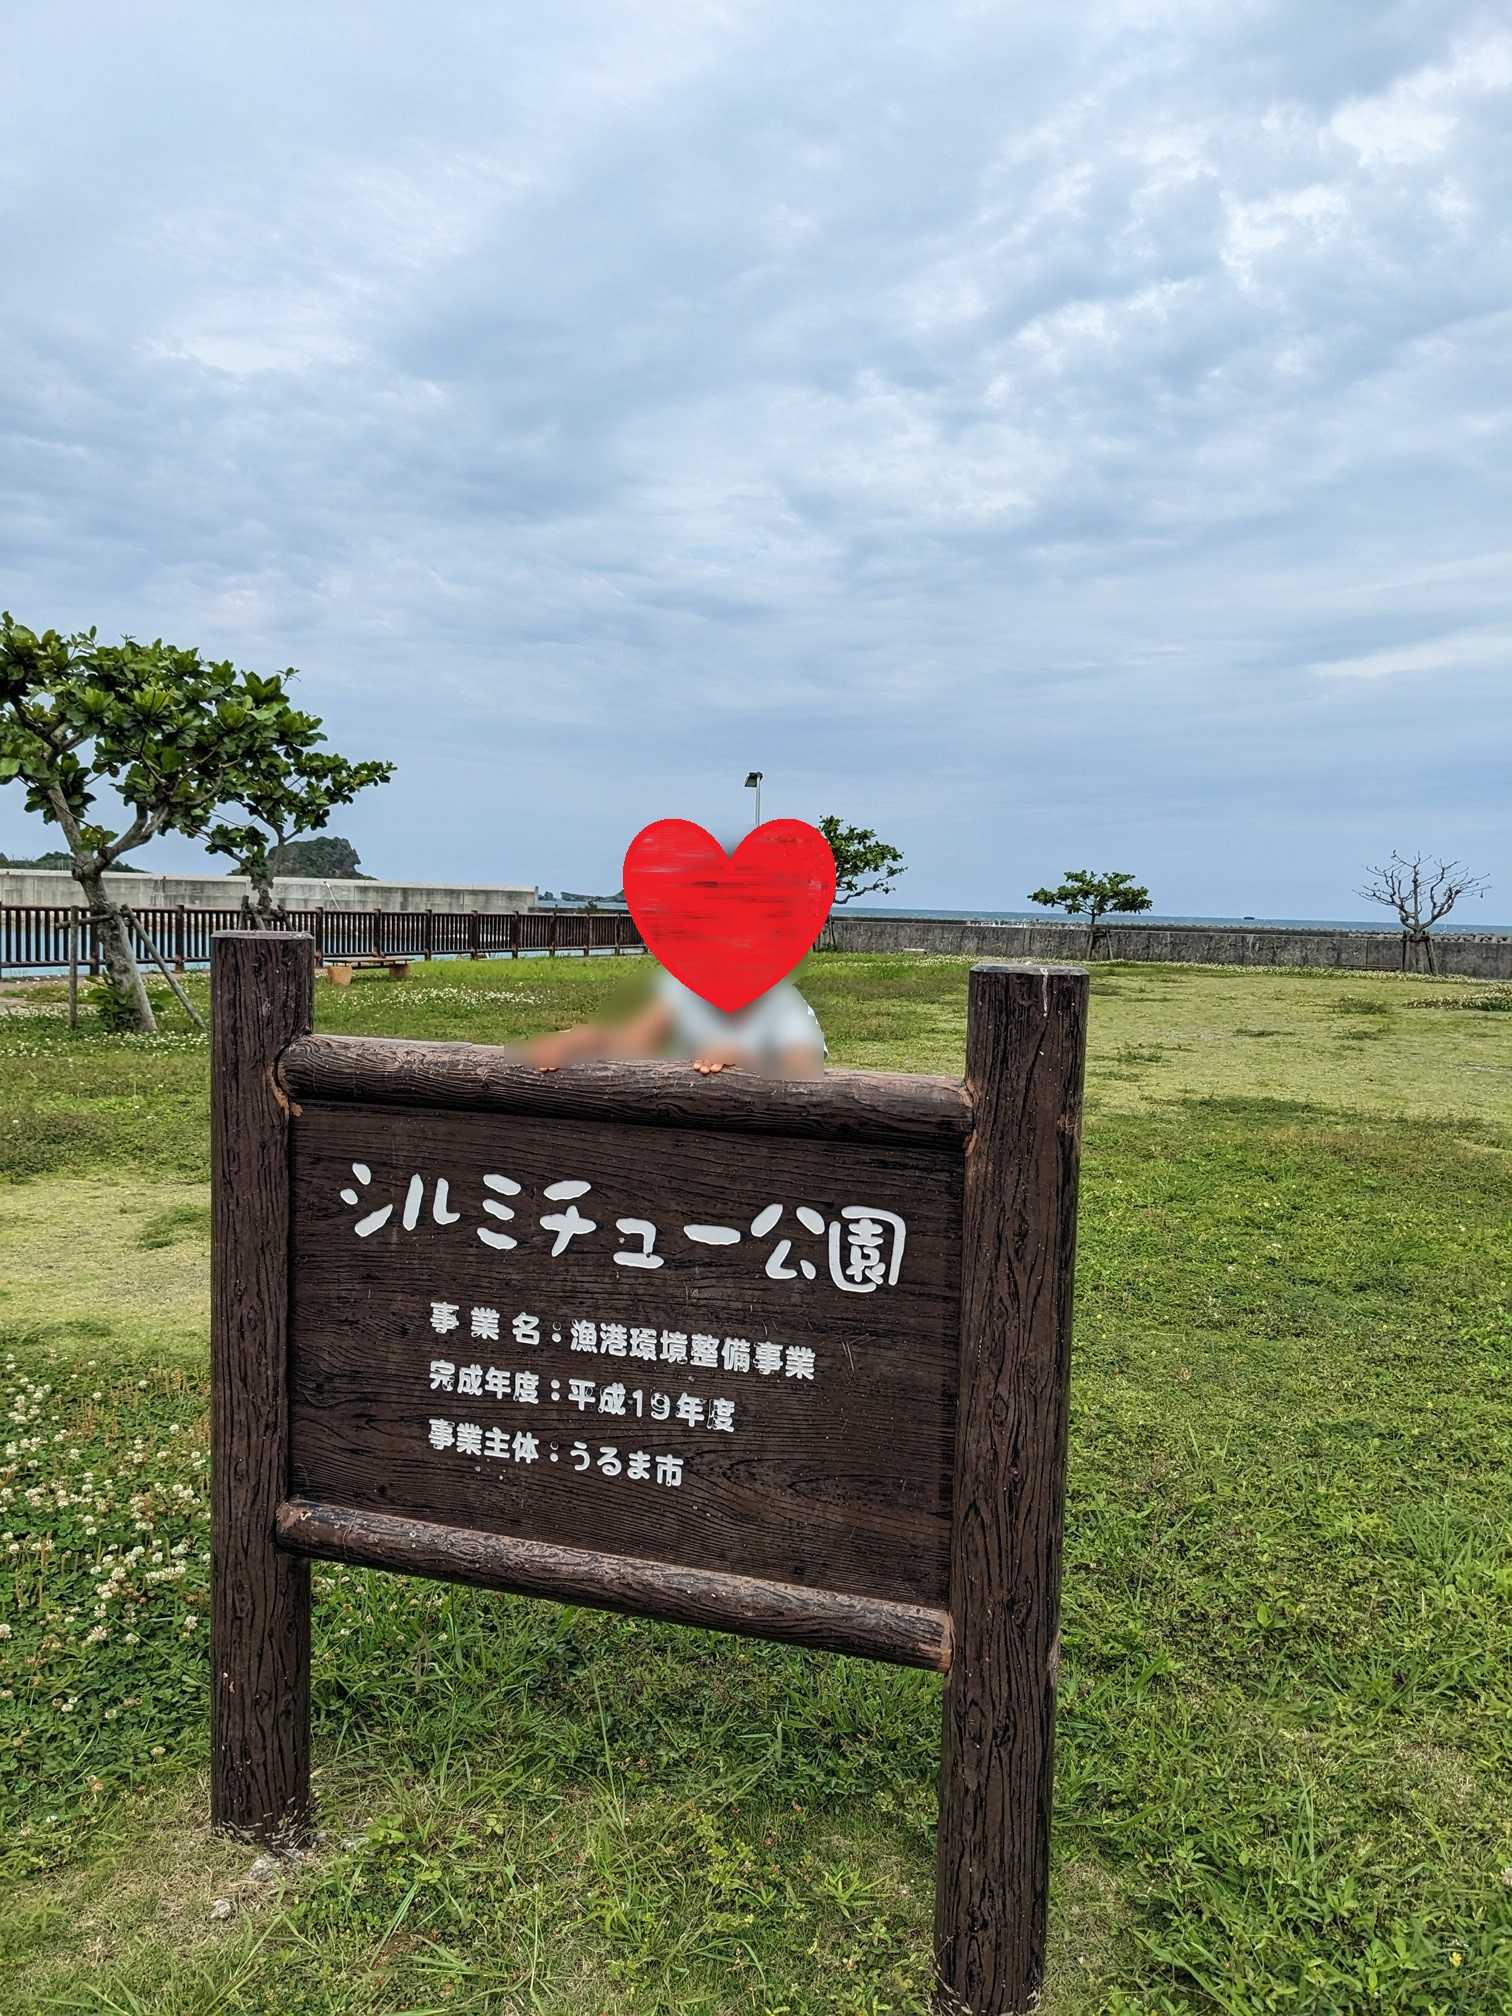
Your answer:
<point x="777" y="1034"/>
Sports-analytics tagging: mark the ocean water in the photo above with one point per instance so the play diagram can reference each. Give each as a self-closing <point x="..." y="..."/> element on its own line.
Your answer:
<point x="1457" y="921"/>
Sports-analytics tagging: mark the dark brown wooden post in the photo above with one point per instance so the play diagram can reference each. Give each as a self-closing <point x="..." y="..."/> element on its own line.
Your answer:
<point x="180" y="939"/>
<point x="473" y="951"/>
<point x="262" y="992"/>
<point x="430" y="935"/>
<point x="1025" y="1045"/>
<point x="514" y="935"/>
<point x="553" y="932"/>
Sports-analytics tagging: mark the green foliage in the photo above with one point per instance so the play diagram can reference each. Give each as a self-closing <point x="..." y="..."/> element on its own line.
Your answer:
<point x="282" y="780"/>
<point x="112" y="1010"/>
<point x="328" y="856"/>
<point x="163" y="725"/>
<point x="286" y="785"/>
<point x="1083" y="894"/>
<point x="179" y="738"/>
<point x="864" y="865"/>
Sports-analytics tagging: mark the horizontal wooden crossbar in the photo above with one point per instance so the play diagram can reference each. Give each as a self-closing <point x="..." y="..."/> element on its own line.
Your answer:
<point x="838" y="1106"/>
<point x="903" y="1634"/>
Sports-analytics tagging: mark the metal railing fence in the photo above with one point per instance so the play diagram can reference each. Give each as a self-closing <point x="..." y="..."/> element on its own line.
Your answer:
<point x="34" y="937"/>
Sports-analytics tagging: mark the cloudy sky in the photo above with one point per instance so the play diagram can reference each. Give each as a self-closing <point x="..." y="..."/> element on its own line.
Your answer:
<point x="1052" y="436"/>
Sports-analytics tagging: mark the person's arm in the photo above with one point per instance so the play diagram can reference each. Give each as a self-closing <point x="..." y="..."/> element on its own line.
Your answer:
<point x="642" y="1036"/>
<point x="801" y="1060"/>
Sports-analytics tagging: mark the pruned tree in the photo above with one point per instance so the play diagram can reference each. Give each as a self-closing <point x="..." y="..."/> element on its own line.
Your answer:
<point x="157" y="724"/>
<point x="1421" y="889"/>
<point x="284" y="784"/>
<point x="1083" y="894"/>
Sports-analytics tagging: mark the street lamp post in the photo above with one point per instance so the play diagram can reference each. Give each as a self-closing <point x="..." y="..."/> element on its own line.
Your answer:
<point x="753" y="783"/>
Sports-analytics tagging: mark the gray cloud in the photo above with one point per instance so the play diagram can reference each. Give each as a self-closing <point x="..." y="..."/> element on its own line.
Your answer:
<point x="1044" y="440"/>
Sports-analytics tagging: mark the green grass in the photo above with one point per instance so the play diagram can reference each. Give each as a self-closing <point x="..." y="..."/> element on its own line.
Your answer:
<point x="1284" y="1765"/>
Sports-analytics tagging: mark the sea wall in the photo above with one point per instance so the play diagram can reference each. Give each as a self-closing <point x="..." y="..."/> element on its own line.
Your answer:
<point x="296" y="892"/>
<point x="1484" y="957"/>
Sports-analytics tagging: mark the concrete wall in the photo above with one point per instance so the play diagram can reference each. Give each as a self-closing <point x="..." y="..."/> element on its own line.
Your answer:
<point x="1487" y="957"/>
<point x="298" y="892"/>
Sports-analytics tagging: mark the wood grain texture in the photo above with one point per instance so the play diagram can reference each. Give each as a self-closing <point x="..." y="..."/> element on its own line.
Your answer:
<point x="474" y="1078"/>
<point x="262" y="986"/>
<point x="1025" y="1048"/>
<point x="821" y="1620"/>
<point x="839" y="1482"/>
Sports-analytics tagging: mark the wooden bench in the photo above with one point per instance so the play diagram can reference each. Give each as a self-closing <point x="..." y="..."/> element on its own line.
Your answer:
<point x="339" y="971"/>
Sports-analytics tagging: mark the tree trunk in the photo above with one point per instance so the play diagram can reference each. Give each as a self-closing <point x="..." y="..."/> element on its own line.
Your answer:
<point x="261" y="907"/>
<point x="121" y="969"/>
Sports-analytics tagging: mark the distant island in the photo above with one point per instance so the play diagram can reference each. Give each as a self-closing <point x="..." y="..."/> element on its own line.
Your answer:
<point x="58" y="858"/>
<point x="326" y="858"/>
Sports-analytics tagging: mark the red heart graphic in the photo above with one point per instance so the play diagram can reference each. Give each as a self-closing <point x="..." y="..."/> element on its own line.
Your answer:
<point x="729" y="925"/>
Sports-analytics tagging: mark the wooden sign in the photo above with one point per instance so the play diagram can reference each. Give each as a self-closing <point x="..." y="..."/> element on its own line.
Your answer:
<point x="786" y="1358"/>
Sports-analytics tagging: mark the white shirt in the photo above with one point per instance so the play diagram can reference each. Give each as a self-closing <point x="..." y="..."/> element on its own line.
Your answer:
<point x="768" y="1027"/>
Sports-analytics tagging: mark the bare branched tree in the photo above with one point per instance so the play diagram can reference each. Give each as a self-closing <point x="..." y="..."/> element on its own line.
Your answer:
<point x="1421" y="890"/>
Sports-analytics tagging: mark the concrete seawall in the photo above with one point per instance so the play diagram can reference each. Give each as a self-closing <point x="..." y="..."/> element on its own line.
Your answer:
<point x="1483" y="956"/>
<point x="297" y="892"/>
<point x="1487" y="957"/>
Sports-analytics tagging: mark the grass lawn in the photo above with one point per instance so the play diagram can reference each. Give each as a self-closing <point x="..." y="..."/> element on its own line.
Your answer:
<point x="1284" y="1769"/>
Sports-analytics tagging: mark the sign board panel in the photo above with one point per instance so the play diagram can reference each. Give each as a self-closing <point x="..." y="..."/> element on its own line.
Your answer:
<point x="730" y="1352"/>
<point x="785" y="1358"/>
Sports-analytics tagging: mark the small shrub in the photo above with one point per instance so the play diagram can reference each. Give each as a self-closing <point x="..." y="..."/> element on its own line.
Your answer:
<point x="111" y="1007"/>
